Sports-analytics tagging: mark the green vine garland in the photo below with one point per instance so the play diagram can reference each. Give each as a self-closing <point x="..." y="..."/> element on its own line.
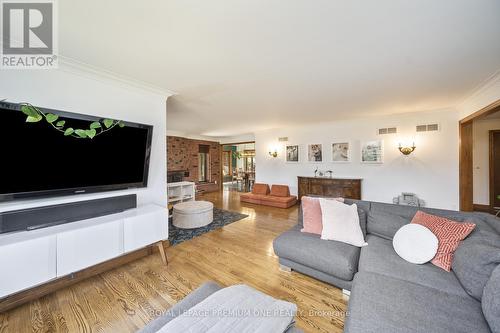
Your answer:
<point x="34" y="115"/>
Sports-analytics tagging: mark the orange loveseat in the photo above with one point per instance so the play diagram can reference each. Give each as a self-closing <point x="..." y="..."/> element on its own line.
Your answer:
<point x="279" y="196"/>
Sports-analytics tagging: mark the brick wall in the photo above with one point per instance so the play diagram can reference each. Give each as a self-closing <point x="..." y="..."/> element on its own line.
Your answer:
<point x="182" y="154"/>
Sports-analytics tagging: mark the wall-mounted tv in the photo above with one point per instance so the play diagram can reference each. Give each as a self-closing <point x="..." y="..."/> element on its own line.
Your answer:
<point x="46" y="152"/>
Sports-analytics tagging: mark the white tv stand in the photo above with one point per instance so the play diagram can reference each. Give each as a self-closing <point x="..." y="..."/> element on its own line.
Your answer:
<point x="32" y="258"/>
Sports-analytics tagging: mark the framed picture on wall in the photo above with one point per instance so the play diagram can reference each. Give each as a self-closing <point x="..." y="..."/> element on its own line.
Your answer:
<point x="315" y="152"/>
<point x="292" y="153"/>
<point x="341" y="151"/>
<point x="372" y="151"/>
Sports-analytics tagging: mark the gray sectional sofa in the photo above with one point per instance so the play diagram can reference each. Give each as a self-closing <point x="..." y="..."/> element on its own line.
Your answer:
<point x="389" y="294"/>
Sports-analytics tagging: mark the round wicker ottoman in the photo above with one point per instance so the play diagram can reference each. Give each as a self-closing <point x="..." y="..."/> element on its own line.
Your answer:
<point x="193" y="214"/>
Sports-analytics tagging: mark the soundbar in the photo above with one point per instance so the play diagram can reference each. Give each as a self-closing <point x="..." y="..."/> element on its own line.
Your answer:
<point x="47" y="216"/>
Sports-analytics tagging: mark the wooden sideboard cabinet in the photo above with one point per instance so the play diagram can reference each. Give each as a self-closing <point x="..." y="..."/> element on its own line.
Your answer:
<point x="330" y="187"/>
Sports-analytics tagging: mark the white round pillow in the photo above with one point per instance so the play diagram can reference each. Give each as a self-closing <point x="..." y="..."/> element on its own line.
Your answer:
<point x="415" y="243"/>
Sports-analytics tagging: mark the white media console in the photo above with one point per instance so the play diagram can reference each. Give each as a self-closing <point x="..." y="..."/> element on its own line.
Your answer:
<point x="31" y="258"/>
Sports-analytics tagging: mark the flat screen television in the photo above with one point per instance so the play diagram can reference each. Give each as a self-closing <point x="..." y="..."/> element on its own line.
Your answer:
<point x="47" y="152"/>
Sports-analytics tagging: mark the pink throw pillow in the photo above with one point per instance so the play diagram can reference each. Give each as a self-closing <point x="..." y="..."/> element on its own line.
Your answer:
<point x="449" y="234"/>
<point x="312" y="217"/>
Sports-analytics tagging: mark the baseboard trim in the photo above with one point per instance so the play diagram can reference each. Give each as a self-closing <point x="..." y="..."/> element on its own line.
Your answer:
<point x="31" y="294"/>
<point x="482" y="208"/>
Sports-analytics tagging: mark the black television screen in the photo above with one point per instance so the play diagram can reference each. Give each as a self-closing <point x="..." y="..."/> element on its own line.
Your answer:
<point x="48" y="153"/>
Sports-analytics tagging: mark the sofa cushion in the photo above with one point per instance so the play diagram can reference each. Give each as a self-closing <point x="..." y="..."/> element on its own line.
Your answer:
<point x="473" y="264"/>
<point x="449" y="233"/>
<point x="384" y="224"/>
<point x="251" y="196"/>
<point x="408" y="212"/>
<point x="246" y="195"/>
<point x="362" y="220"/>
<point x="383" y="304"/>
<point x="268" y="200"/>
<point x="341" y="222"/>
<point x="385" y="219"/>
<point x="280" y="191"/>
<point x="311" y="210"/>
<point x="331" y="257"/>
<point x="363" y="209"/>
<point x="379" y="257"/>
<point x="491" y="301"/>
<point x="483" y="233"/>
<point x="271" y="198"/>
<point x="364" y="205"/>
<point x="492" y="221"/>
<point x="311" y="213"/>
<point x="415" y="243"/>
<point x="260" y="189"/>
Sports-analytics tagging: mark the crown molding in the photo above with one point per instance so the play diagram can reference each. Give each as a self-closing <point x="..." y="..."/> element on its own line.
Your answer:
<point x="83" y="69"/>
<point x="489" y="82"/>
<point x="80" y="68"/>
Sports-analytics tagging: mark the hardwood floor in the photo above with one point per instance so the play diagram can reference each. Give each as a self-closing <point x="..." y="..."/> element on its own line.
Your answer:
<point x="126" y="298"/>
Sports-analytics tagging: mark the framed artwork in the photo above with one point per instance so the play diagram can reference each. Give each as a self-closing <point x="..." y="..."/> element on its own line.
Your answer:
<point x="315" y="152"/>
<point x="341" y="152"/>
<point x="292" y="153"/>
<point x="372" y="151"/>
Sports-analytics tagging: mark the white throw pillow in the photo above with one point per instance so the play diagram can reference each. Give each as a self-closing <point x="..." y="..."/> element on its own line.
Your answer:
<point x="415" y="243"/>
<point x="341" y="222"/>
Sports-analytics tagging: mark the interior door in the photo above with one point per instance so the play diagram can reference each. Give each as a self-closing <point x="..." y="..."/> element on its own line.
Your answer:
<point x="494" y="169"/>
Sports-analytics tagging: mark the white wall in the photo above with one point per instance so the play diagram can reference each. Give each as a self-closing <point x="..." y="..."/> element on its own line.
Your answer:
<point x="431" y="171"/>
<point x="77" y="90"/>
<point x="481" y="159"/>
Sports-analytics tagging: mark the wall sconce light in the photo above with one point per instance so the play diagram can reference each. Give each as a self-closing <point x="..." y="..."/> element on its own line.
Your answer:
<point x="407" y="150"/>
<point x="273" y="153"/>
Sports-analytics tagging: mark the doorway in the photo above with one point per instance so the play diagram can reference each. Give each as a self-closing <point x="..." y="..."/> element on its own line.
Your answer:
<point x="476" y="161"/>
<point x="238" y="166"/>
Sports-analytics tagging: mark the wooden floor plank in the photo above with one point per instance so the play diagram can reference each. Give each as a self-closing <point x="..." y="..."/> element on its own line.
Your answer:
<point x="126" y="298"/>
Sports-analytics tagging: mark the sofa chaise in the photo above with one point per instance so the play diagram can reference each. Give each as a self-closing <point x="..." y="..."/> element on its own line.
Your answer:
<point x="278" y="196"/>
<point x="389" y="294"/>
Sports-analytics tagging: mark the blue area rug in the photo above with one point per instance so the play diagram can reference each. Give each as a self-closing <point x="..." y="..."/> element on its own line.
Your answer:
<point x="221" y="218"/>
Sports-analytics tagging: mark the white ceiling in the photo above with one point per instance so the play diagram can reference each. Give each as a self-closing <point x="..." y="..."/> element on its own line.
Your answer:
<point x="241" y="66"/>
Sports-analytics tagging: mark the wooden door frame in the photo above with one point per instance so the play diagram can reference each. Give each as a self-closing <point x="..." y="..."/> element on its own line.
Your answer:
<point x="466" y="183"/>
<point x="221" y="187"/>
<point x="466" y="179"/>
<point x="492" y="170"/>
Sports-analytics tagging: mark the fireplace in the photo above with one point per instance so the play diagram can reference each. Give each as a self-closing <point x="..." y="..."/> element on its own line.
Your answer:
<point x="176" y="176"/>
